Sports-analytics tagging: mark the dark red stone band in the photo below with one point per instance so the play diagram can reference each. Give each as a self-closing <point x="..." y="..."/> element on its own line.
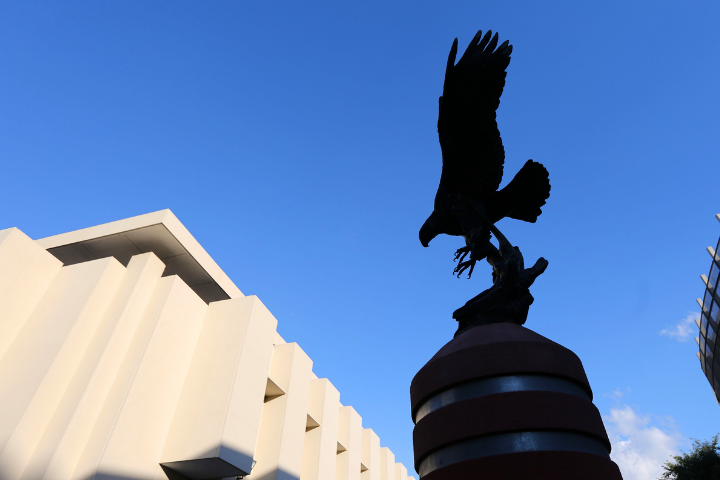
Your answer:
<point x="531" y="466"/>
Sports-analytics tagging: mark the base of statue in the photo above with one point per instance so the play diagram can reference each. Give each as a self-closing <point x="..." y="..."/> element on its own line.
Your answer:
<point x="500" y="401"/>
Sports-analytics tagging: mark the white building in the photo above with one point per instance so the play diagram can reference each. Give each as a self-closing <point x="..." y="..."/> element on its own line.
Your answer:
<point x="126" y="353"/>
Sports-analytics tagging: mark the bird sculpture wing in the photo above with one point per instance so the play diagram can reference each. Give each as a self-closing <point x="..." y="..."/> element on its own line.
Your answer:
<point x="472" y="151"/>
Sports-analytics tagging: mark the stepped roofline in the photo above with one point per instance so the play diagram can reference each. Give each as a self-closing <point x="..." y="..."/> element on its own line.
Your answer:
<point x="159" y="232"/>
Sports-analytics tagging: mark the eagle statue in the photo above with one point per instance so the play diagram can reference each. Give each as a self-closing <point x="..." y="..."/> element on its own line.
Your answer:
<point x="468" y="202"/>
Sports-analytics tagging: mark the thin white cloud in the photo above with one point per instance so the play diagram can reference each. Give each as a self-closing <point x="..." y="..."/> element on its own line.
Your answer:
<point x="618" y="393"/>
<point x="684" y="329"/>
<point x="639" y="448"/>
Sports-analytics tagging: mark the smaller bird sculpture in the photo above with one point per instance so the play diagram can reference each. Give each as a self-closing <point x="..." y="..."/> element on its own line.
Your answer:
<point x="468" y="202"/>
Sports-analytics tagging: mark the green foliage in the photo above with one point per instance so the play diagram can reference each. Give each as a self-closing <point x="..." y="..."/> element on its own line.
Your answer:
<point x="701" y="463"/>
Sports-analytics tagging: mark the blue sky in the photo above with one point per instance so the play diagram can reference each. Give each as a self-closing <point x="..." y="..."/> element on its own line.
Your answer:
<point x="297" y="141"/>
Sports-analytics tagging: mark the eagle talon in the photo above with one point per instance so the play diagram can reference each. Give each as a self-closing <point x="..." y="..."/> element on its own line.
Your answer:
<point x="464" y="266"/>
<point x="461" y="253"/>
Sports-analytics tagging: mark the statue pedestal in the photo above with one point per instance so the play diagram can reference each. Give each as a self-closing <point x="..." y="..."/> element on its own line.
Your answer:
<point x="500" y="401"/>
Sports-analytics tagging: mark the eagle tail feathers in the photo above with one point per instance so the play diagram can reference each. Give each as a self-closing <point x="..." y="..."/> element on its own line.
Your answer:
<point x="524" y="196"/>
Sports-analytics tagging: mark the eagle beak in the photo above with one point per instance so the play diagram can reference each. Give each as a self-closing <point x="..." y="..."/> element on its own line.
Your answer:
<point x="428" y="231"/>
<point x="425" y="237"/>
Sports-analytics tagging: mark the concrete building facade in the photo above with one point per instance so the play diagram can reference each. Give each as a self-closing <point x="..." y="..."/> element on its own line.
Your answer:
<point x="708" y="323"/>
<point x="126" y="354"/>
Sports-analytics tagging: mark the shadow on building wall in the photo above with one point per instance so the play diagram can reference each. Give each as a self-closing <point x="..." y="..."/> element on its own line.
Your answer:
<point x="207" y="467"/>
<point x="171" y="475"/>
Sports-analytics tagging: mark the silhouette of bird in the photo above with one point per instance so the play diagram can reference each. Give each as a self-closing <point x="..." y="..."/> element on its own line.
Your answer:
<point x="468" y="202"/>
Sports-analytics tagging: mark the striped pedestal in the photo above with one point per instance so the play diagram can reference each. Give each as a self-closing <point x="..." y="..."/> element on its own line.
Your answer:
<point x="502" y="402"/>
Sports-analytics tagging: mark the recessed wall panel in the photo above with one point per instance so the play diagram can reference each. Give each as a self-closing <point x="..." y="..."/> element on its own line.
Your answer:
<point x="219" y="412"/>
<point x="282" y="429"/>
<point x="320" y="446"/>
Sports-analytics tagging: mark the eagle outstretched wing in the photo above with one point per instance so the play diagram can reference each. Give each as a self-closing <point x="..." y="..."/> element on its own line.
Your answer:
<point x="472" y="151"/>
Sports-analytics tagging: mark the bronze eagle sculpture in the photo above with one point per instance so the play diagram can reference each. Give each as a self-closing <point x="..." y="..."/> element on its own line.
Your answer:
<point x="468" y="202"/>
